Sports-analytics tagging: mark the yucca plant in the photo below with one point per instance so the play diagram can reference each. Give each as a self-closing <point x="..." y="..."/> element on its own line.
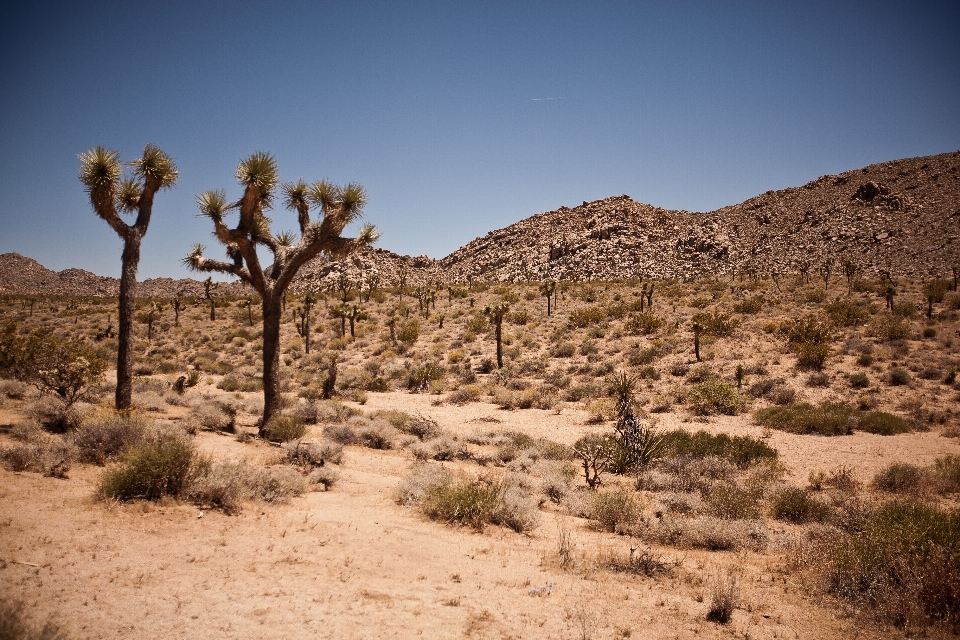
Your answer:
<point x="642" y="442"/>
<point x="258" y="175"/>
<point x="111" y="193"/>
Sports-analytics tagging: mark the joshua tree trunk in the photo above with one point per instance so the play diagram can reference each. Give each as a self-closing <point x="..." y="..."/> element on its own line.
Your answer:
<point x="128" y="300"/>
<point x="498" y="331"/>
<point x="272" y="313"/>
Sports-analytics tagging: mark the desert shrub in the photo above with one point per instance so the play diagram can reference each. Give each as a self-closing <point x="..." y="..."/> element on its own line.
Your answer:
<point x="284" y="429"/>
<point x="903" y="564"/>
<point x="715" y="323"/>
<point x="408" y="332"/>
<point x="751" y="305"/>
<point x="210" y="415"/>
<point x="563" y="350"/>
<point x="701" y="373"/>
<point x="420" y="426"/>
<point x="306" y="412"/>
<point x="642" y="324"/>
<point x="761" y="388"/>
<point x="47" y="455"/>
<point x="946" y="474"/>
<point x="859" y="380"/>
<point x="227" y="484"/>
<point x="899" y="478"/>
<point x="637" y="357"/>
<point x="14" y="624"/>
<point x="740" y="450"/>
<point x="796" y="505"/>
<point x="377" y="435"/>
<point x="809" y="339"/>
<point x="724" y="598"/>
<point x="341" y="433"/>
<point x="334" y="411"/>
<point x="312" y="454"/>
<point x="422" y="479"/>
<point x="463" y="395"/>
<point x="421" y="376"/>
<point x="108" y="435"/>
<point x="716" y="396"/>
<point x="708" y="533"/>
<point x="847" y="313"/>
<point x="898" y="377"/>
<point x="165" y="466"/>
<point x="324" y="476"/>
<point x="888" y="326"/>
<point x="881" y="423"/>
<point x="587" y="316"/>
<point x="13" y="389"/>
<point x="827" y="419"/>
<point x="476" y="503"/>
<point x="727" y="501"/>
<point x="55" y="414"/>
<point x="615" y="510"/>
<point x="783" y="395"/>
<point x="818" y="379"/>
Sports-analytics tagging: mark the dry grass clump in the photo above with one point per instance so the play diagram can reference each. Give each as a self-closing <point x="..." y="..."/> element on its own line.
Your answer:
<point x="705" y="532"/>
<point x="724" y="598"/>
<point x="14" y="389"/>
<point x="107" y="435"/>
<point x="639" y="561"/>
<point x="440" y="448"/>
<point x="903" y="564"/>
<point x="166" y="465"/>
<point x="227" y="484"/>
<point x="46" y="454"/>
<point x="727" y="501"/>
<point x="740" y="450"/>
<point x="616" y="510"/>
<point x="54" y="414"/>
<point x="284" y="429"/>
<point x="473" y="503"/>
<point x="797" y="506"/>
<point x="312" y="454"/>
<point x="899" y="477"/>
<point x="210" y="415"/>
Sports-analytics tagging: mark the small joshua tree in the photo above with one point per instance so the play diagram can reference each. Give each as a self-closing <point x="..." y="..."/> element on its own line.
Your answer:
<point x="496" y="313"/>
<point x="354" y="312"/>
<point x="641" y="443"/>
<point x="934" y="291"/>
<point x="825" y="270"/>
<point x="698" y="330"/>
<point x="259" y="178"/>
<point x="101" y="172"/>
<point x="208" y="287"/>
<point x="303" y="325"/>
<point x="548" y="289"/>
<point x="177" y="307"/>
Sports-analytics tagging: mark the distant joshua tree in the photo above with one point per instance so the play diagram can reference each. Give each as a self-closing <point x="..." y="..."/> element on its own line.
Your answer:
<point x="548" y="289"/>
<point x="101" y="172"/>
<point x="177" y="307"/>
<point x="303" y="325"/>
<point x="496" y="313"/>
<point x="208" y="288"/>
<point x="259" y="178"/>
<point x="825" y="270"/>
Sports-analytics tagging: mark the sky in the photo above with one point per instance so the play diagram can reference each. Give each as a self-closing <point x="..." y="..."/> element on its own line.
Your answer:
<point x="457" y="117"/>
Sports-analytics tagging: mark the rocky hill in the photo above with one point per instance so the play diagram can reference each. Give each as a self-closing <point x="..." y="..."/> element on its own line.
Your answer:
<point x="22" y="275"/>
<point x="901" y="216"/>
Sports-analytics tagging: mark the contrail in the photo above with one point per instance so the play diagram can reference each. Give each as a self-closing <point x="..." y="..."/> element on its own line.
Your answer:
<point x="538" y="99"/>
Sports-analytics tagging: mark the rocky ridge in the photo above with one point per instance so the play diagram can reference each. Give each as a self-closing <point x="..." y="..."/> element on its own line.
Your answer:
<point x="901" y="216"/>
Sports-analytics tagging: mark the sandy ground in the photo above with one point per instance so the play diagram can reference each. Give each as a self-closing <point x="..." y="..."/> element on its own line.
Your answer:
<point x="352" y="563"/>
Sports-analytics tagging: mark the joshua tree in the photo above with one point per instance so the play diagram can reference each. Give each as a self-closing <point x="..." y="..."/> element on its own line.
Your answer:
<point x="496" y="312"/>
<point x="340" y="311"/>
<point x="303" y="327"/>
<point x="339" y="206"/>
<point x="344" y="287"/>
<point x="850" y="270"/>
<point x="208" y="287"/>
<point x="354" y="312"/>
<point x="650" y="297"/>
<point x="177" y="307"/>
<point x="548" y="289"/>
<point x="803" y="268"/>
<point x="934" y="291"/>
<point x="110" y="192"/>
<point x="889" y="294"/>
<point x="825" y="270"/>
<point x="698" y="329"/>
<point x="956" y="274"/>
<point x="373" y="281"/>
<point x="401" y="281"/>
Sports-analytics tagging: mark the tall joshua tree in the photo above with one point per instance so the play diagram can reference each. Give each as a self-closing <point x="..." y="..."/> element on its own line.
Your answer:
<point x="547" y="290"/>
<point x="496" y="313"/>
<point x="339" y="206"/>
<point x="112" y="193"/>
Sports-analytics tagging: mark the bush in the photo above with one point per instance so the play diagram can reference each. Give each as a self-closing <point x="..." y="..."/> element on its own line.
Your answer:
<point x="750" y="306"/>
<point x="563" y="350"/>
<point x="729" y="502"/>
<point x="284" y="429"/>
<point x="898" y="478"/>
<point x="740" y="450"/>
<point x="708" y="533"/>
<point x="615" y="511"/>
<point x="859" y="380"/>
<point x="421" y="377"/>
<point x="898" y="377"/>
<point x="167" y="466"/>
<point x="724" y="598"/>
<point x="797" y="506"/>
<point x="809" y="338"/>
<point x="887" y="326"/>
<point x="847" y="313"/>
<point x="50" y="456"/>
<point x="107" y="436"/>
<point x="903" y="564"/>
<point x="476" y="503"/>
<point x="642" y="324"/>
<point x="716" y="396"/>
<point x="227" y="484"/>
<point x="881" y="423"/>
<point x="715" y="323"/>
<point x="469" y="393"/>
<point x="946" y="474"/>
<point x="826" y="420"/>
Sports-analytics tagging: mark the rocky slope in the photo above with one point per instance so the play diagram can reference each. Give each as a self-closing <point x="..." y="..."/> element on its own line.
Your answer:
<point x="901" y="216"/>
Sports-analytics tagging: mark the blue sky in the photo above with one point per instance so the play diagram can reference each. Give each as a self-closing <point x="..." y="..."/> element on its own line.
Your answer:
<point x="434" y="107"/>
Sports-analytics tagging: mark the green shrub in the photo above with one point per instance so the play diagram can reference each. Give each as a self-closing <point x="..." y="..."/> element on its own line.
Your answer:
<point x="642" y="324"/>
<point x="284" y="429"/>
<point x="476" y="503"/>
<point x="946" y="474"/>
<point x="716" y="396"/>
<point x="847" y="313"/>
<point x="615" y="510"/>
<point x="164" y="467"/>
<point x="797" y="506"/>
<point x="421" y="377"/>
<point x="809" y="338"/>
<point x="827" y="419"/>
<point x="563" y="350"/>
<point x="903" y="564"/>
<point x="898" y="377"/>
<point x="740" y="450"/>
<point x="887" y="326"/>
<point x="751" y="306"/>
<point x="898" y="478"/>
<point x="929" y="332"/>
<point x="859" y="380"/>
<point x="881" y="423"/>
<point x="715" y="323"/>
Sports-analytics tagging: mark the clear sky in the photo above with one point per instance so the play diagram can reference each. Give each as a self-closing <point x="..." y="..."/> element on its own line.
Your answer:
<point x="458" y="117"/>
